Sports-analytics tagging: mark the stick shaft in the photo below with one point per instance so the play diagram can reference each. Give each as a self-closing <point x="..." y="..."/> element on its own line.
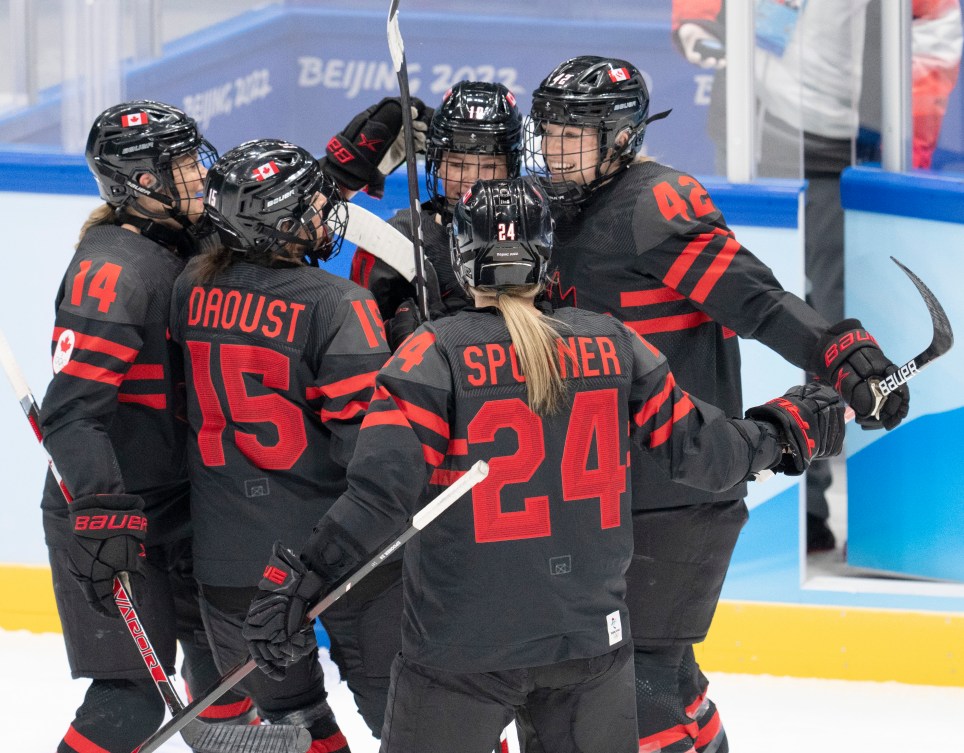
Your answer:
<point x="425" y="516"/>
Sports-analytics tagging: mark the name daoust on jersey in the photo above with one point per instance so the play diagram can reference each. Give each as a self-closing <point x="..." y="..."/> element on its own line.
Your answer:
<point x="234" y="310"/>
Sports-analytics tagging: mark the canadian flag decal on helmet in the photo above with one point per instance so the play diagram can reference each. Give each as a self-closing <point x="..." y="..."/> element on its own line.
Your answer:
<point x="265" y="171"/>
<point x="510" y="98"/>
<point x="618" y="74"/>
<point x="134" y="119"/>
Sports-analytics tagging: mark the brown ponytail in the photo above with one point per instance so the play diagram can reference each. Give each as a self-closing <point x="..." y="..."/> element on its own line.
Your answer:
<point x="102" y="215"/>
<point x="211" y="263"/>
<point x="534" y="341"/>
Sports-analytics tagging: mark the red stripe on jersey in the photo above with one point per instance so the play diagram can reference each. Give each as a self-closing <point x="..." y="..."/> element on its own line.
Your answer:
<point x="80" y="743"/>
<point x="712" y="275"/>
<point x="710" y="730"/>
<point x="445" y="476"/>
<point x="349" y="411"/>
<point x="367" y="328"/>
<point x="728" y="333"/>
<point x="684" y="406"/>
<point x="458" y="447"/>
<point x="686" y="258"/>
<point x="651" y="407"/>
<point x="100" y="345"/>
<point x="694" y="707"/>
<point x="157" y="401"/>
<point x="329" y="744"/>
<point x="226" y="710"/>
<point x="432" y="456"/>
<point x="343" y="387"/>
<point x="145" y="371"/>
<point x="385" y="418"/>
<point x="422" y="417"/>
<point x="93" y="373"/>
<point x="362" y="264"/>
<point x="667" y="737"/>
<point x="669" y="323"/>
<point x="648" y="297"/>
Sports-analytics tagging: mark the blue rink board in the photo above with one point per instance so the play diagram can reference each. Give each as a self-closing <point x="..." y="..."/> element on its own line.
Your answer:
<point x="906" y="487"/>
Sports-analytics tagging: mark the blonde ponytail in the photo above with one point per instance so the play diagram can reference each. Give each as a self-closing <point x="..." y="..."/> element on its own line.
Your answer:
<point x="534" y="341"/>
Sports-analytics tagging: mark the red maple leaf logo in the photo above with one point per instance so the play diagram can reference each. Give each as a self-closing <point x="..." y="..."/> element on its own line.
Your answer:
<point x="65" y="344"/>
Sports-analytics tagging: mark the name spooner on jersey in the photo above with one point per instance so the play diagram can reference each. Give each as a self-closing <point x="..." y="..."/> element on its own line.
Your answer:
<point x="493" y="364"/>
<point x="233" y="310"/>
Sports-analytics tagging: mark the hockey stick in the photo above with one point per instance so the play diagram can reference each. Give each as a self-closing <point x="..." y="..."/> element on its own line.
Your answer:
<point x="203" y="738"/>
<point x="421" y="519"/>
<point x="397" y="49"/>
<point x="370" y="232"/>
<point x="941" y="341"/>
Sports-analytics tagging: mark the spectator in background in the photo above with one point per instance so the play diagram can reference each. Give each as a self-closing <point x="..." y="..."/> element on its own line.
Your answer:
<point x="809" y="73"/>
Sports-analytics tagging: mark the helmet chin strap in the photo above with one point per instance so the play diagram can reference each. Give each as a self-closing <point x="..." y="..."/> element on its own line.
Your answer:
<point x="179" y="239"/>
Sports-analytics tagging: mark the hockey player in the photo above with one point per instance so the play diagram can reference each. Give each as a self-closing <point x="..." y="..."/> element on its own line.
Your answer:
<point x="517" y="597"/>
<point x="474" y="134"/>
<point x="281" y="359"/>
<point x="110" y="421"/>
<point x="661" y="259"/>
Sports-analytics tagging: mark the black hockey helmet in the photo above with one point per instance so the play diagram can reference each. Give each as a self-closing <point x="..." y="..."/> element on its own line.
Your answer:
<point x="261" y="198"/>
<point x="607" y="94"/>
<point x="501" y="234"/>
<point x="131" y="139"/>
<point x="475" y="117"/>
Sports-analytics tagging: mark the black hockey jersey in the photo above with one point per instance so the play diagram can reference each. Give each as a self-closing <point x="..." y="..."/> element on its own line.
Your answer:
<point x="280" y="366"/>
<point x="651" y="249"/>
<point x="530" y="570"/>
<point x="110" y="416"/>
<point x="390" y="288"/>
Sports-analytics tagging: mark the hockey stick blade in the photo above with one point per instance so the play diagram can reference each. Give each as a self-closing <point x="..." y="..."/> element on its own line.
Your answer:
<point x="370" y="232"/>
<point x="941" y="342"/>
<point x="231" y="738"/>
<point x="265" y="738"/>
<point x="421" y="519"/>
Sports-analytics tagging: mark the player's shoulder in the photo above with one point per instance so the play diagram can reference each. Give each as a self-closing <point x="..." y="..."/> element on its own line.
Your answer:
<point x="574" y="322"/>
<point x="120" y="276"/>
<point x="142" y="256"/>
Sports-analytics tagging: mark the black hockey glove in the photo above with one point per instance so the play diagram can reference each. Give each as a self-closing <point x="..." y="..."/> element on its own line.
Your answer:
<point x="849" y="359"/>
<point x="407" y="319"/>
<point x="108" y="538"/>
<point x="810" y="423"/>
<point x="276" y="629"/>
<point x="372" y="145"/>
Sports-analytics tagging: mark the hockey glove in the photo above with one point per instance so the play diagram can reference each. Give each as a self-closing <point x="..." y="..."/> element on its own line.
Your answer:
<point x="373" y="145"/>
<point x="849" y="359"/>
<point x="407" y="319"/>
<point x="810" y="423"/>
<point x="108" y="538"/>
<point x="276" y="629"/>
<point x="700" y="46"/>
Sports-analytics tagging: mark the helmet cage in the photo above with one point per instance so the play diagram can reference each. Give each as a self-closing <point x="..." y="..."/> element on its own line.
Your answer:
<point x="260" y="219"/>
<point x="476" y="118"/>
<point x="582" y="93"/>
<point x="501" y="235"/>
